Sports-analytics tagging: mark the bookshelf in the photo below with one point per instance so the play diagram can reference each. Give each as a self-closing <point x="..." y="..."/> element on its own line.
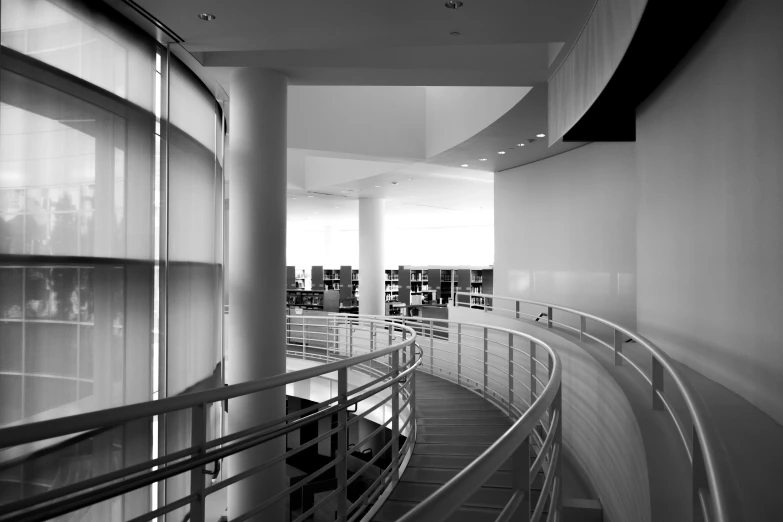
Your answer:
<point x="332" y="289"/>
<point x="306" y="299"/>
<point x="349" y="289"/>
<point x="392" y="286"/>
<point x="448" y="283"/>
<point x="434" y="282"/>
<point x="305" y="288"/>
<point x="331" y="279"/>
<point x="476" y="281"/>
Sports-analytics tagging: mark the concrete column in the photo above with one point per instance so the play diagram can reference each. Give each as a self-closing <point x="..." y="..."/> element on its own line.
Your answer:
<point x="257" y="243"/>
<point x="371" y="255"/>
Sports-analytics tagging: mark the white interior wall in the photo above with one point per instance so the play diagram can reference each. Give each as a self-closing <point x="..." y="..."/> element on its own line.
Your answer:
<point x="692" y="211"/>
<point x="565" y="231"/>
<point x="710" y="230"/>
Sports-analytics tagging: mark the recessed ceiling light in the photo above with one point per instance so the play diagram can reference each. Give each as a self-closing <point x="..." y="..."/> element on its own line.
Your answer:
<point x="501" y="152"/>
<point x="410" y="179"/>
<point x="520" y="144"/>
<point x="293" y="198"/>
<point x="310" y="196"/>
<point x="377" y="186"/>
<point x="464" y="164"/>
<point x="482" y="159"/>
<point x="206" y="17"/>
<point x="454" y="4"/>
<point x="542" y="135"/>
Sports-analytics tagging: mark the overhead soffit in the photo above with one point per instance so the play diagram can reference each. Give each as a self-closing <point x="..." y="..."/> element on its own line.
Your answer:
<point x="514" y="43"/>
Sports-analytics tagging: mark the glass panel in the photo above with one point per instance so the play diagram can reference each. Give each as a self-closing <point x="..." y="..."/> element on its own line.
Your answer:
<point x="80" y="40"/>
<point x="61" y="161"/>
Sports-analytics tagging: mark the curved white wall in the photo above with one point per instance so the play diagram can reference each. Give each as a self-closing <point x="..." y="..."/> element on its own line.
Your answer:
<point x="565" y="231"/>
<point x="710" y="230"/>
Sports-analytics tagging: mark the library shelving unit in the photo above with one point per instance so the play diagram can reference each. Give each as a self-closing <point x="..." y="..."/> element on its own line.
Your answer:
<point x="475" y="281"/>
<point x="392" y="286"/>
<point x="305" y="289"/>
<point x="448" y="283"/>
<point x="306" y="299"/>
<point x="349" y="290"/>
<point x="331" y="279"/>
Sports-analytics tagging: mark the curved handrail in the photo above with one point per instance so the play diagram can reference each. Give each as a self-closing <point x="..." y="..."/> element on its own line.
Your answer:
<point x="393" y="385"/>
<point x="15" y="435"/>
<point x="514" y="443"/>
<point x="704" y="433"/>
<point x="441" y="504"/>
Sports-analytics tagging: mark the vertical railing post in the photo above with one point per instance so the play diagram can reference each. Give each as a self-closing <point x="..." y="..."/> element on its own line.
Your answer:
<point x="557" y="406"/>
<point x="510" y="374"/>
<point x="698" y="481"/>
<point x="372" y="338"/>
<point x="304" y="340"/>
<point x="618" y="348"/>
<point x="395" y="445"/>
<point x="549" y="317"/>
<point x="517" y="303"/>
<point x="582" y="327"/>
<point x="459" y="351"/>
<point x="304" y="332"/>
<point x="412" y="389"/>
<point x="432" y="347"/>
<point x="350" y="336"/>
<point x="486" y="361"/>
<point x="341" y="470"/>
<point x="198" y="437"/>
<point x="520" y="479"/>
<point x="533" y="365"/>
<point x="657" y="384"/>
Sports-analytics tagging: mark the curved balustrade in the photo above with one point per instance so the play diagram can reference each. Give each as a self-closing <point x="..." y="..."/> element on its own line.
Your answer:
<point x="712" y="489"/>
<point x="516" y="371"/>
<point x="522" y="376"/>
<point x="390" y="362"/>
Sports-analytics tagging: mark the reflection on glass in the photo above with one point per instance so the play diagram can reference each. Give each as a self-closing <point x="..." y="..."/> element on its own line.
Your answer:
<point x="56" y="172"/>
<point x="68" y="35"/>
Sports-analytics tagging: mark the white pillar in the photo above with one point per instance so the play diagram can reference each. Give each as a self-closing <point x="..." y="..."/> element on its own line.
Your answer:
<point x="371" y="256"/>
<point x="257" y="241"/>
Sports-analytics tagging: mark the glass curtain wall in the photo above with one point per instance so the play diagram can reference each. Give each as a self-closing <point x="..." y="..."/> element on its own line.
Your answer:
<point x="110" y="235"/>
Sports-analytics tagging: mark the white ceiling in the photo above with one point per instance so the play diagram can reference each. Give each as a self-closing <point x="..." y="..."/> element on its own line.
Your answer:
<point x="501" y="43"/>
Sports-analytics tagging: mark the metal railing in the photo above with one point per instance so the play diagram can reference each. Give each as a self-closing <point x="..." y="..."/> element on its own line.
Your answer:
<point x="713" y="495"/>
<point x="384" y="352"/>
<point x="515" y="371"/>
<point x="521" y="375"/>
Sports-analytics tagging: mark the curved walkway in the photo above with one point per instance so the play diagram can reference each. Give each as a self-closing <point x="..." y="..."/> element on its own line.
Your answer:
<point x="454" y="427"/>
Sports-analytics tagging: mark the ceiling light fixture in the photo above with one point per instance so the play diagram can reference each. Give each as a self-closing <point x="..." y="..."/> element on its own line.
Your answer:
<point x="206" y="17"/>
<point x="520" y="144"/>
<point x="453" y="4"/>
<point x="542" y="135"/>
<point x="501" y="152"/>
<point x="310" y="196"/>
<point x="377" y="186"/>
<point x="482" y="159"/>
<point x="464" y="164"/>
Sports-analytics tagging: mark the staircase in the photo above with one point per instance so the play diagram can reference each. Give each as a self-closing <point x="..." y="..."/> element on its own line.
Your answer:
<point x="454" y="427"/>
